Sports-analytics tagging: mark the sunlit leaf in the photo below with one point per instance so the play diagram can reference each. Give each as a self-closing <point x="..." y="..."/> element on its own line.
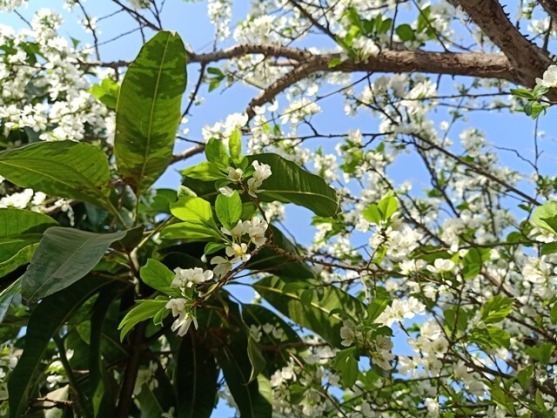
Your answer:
<point x="69" y="169"/>
<point x="148" y="111"/>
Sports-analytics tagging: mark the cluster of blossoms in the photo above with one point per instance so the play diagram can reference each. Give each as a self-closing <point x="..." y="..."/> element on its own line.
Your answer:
<point x="261" y="173"/>
<point x="549" y="78"/>
<point x="186" y="280"/>
<point x="378" y="347"/>
<point x="238" y="251"/>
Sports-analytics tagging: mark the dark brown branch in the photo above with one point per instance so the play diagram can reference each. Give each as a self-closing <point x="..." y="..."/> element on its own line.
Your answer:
<point x="528" y="60"/>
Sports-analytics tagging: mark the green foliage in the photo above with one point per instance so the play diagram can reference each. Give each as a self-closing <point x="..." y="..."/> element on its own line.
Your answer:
<point x="291" y="184"/>
<point x="106" y="92"/>
<point x="196" y="379"/>
<point x="63" y="256"/>
<point x="66" y="169"/>
<point x="313" y="308"/>
<point x="148" y="111"/>
<point x="46" y="320"/>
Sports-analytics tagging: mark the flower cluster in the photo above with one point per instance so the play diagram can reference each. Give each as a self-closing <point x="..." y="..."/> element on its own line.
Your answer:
<point x="186" y="280"/>
<point x="261" y="173"/>
<point x="237" y="251"/>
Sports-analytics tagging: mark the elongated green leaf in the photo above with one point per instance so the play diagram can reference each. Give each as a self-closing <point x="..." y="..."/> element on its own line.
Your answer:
<point x="148" y="110"/>
<point x="255" y="358"/>
<point x="64" y="256"/>
<point x="20" y="258"/>
<point x="6" y="297"/>
<point x="196" y="379"/>
<point x="145" y="309"/>
<point x="45" y="321"/>
<point x="291" y="184"/>
<point x="68" y="169"/>
<point x="198" y="216"/>
<point x="251" y="397"/>
<point x="271" y="261"/>
<point x="188" y="231"/>
<point x="193" y="209"/>
<point x="158" y="276"/>
<point x="102" y="400"/>
<point x="205" y="171"/>
<point x="315" y="310"/>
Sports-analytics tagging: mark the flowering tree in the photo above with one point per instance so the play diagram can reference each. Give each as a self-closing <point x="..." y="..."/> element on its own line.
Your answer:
<point x="431" y="293"/>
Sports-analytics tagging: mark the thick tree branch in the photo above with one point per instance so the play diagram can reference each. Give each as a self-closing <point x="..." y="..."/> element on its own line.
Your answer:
<point x="480" y="65"/>
<point x="528" y="60"/>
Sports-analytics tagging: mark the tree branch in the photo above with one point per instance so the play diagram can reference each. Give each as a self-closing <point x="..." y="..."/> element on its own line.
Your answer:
<point x="528" y="60"/>
<point x="480" y="65"/>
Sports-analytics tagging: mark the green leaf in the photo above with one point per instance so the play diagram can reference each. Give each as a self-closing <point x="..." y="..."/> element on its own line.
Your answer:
<point x="228" y="209"/>
<point x="45" y="321"/>
<point x="189" y="232"/>
<point x="198" y="216"/>
<point x="496" y="309"/>
<point x="490" y="337"/>
<point x="145" y="309"/>
<point x="405" y="32"/>
<point x="63" y="256"/>
<point x="524" y="93"/>
<point x="205" y="171"/>
<point x="215" y="152"/>
<point x="20" y="231"/>
<point x="73" y="170"/>
<point x="542" y="214"/>
<point x="277" y="262"/>
<point x="193" y="209"/>
<point x="6" y="297"/>
<point x="158" y="276"/>
<point x="106" y="92"/>
<point x="388" y="205"/>
<point x="251" y="397"/>
<point x="148" y="402"/>
<point x="372" y="214"/>
<point x="319" y="313"/>
<point x="378" y="304"/>
<point x="255" y="358"/>
<point x="346" y="364"/>
<point x="148" y="112"/>
<point x="196" y="379"/>
<point x="235" y="144"/>
<point x="291" y="184"/>
<point x="473" y="261"/>
<point x="548" y="248"/>
<point x="541" y="352"/>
